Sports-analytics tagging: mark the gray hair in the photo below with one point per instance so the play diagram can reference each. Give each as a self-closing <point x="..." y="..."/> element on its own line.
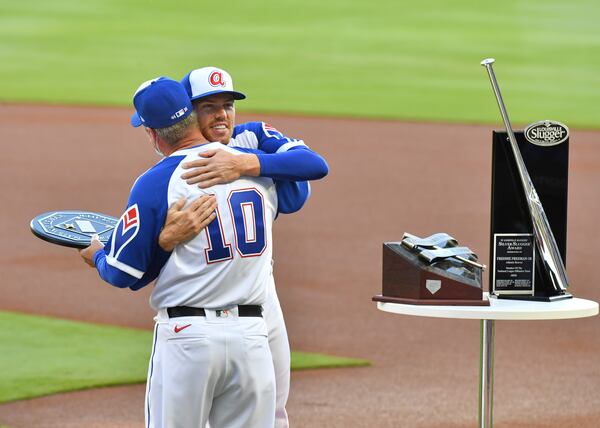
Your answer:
<point x="174" y="133"/>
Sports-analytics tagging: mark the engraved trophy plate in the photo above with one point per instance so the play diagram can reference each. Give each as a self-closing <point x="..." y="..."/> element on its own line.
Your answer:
<point x="73" y="228"/>
<point x="514" y="264"/>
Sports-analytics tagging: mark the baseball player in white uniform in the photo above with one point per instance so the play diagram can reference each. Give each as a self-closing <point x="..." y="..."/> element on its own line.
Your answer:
<point x="210" y="360"/>
<point x="272" y="155"/>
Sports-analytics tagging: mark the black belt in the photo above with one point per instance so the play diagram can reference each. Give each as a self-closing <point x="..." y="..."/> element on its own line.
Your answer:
<point x="187" y="311"/>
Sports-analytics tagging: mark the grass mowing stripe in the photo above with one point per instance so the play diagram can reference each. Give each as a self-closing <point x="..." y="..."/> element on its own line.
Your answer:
<point x="46" y="355"/>
<point x="392" y="59"/>
<point x="307" y="360"/>
<point x="42" y="355"/>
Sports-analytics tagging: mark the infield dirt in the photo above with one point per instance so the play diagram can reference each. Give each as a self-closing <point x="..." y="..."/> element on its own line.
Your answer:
<point x="386" y="178"/>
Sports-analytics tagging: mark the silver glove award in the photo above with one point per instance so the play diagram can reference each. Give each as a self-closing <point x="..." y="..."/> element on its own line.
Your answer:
<point x="434" y="270"/>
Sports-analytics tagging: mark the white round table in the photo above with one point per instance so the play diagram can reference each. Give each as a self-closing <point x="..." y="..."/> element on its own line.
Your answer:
<point x="499" y="309"/>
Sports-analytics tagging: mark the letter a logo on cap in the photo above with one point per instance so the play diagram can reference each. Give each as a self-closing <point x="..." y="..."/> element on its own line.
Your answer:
<point x="216" y="79"/>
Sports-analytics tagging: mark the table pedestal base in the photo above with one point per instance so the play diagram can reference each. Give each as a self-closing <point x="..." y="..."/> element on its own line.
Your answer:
<point x="499" y="309"/>
<point x="486" y="374"/>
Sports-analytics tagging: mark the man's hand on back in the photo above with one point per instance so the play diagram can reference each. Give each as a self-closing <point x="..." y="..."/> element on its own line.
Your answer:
<point x="219" y="167"/>
<point x="183" y="224"/>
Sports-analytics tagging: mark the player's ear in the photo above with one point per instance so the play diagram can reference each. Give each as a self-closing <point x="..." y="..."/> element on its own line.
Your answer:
<point x="197" y="108"/>
<point x="155" y="141"/>
<point x="152" y="135"/>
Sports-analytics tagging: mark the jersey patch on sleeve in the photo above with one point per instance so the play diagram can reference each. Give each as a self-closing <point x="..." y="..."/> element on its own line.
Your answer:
<point x="127" y="229"/>
<point x="270" y="131"/>
<point x="130" y="219"/>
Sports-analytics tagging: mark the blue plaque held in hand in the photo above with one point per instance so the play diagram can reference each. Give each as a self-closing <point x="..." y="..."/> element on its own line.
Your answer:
<point x="73" y="228"/>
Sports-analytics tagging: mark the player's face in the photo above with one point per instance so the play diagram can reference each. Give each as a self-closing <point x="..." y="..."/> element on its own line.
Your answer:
<point x="216" y="117"/>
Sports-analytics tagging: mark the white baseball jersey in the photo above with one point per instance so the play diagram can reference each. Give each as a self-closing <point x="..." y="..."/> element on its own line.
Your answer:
<point x="227" y="264"/>
<point x="216" y="367"/>
<point x="228" y="272"/>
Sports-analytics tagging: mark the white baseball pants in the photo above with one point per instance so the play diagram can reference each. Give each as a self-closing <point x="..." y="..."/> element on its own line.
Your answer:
<point x="215" y="369"/>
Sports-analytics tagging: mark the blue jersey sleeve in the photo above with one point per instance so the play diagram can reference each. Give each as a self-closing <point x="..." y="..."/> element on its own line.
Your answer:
<point x="291" y="195"/>
<point x="132" y="257"/>
<point x="296" y="164"/>
<point x="284" y="158"/>
<point x="121" y="279"/>
<point x="116" y="277"/>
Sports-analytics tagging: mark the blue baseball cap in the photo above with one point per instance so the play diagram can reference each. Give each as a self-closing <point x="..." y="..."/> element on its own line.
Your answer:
<point x="160" y="103"/>
<point x="207" y="81"/>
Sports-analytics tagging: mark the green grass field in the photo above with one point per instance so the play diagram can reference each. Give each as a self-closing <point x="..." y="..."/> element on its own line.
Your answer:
<point x="42" y="355"/>
<point x="387" y="59"/>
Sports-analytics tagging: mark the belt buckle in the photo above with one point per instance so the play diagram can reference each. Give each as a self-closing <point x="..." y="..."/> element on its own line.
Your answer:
<point x="222" y="313"/>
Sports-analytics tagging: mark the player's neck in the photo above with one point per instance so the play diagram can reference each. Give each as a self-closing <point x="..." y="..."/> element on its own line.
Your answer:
<point x="193" y="138"/>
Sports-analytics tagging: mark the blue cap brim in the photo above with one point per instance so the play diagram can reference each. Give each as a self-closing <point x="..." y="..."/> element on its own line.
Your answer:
<point x="236" y="95"/>
<point x="136" y="120"/>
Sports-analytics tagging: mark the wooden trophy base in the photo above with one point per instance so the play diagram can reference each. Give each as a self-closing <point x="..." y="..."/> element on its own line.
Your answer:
<point x="409" y="280"/>
<point x="441" y="302"/>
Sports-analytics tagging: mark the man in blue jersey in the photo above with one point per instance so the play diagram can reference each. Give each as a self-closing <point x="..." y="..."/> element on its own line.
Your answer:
<point x="210" y="358"/>
<point x="269" y="152"/>
<point x="279" y="157"/>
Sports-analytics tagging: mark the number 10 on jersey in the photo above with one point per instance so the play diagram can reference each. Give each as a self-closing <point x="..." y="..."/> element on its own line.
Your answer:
<point x="247" y="211"/>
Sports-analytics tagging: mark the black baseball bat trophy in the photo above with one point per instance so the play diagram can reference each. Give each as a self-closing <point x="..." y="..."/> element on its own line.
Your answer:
<point x="513" y="246"/>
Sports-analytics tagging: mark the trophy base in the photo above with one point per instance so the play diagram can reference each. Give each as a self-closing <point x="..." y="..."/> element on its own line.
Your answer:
<point x="535" y="298"/>
<point x="440" y="302"/>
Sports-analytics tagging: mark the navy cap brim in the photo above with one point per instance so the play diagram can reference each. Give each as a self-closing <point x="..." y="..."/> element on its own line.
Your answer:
<point x="136" y="120"/>
<point x="236" y="95"/>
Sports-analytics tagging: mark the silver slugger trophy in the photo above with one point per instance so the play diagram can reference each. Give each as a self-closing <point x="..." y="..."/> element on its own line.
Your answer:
<point x="544" y="238"/>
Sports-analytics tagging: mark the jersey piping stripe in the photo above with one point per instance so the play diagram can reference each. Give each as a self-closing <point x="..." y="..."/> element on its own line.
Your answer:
<point x="123" y="267"/>
<point x="150" y="377"/>
<point x="285" y="147"/>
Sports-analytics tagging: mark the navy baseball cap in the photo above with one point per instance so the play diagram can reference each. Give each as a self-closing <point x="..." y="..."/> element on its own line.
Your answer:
<point x="160" y="103"/>
<point x="207" y="81"/>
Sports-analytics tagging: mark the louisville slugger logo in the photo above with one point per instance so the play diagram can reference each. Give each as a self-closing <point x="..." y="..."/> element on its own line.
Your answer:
<point x="546" y="133"/>
<point x="216" y="79"/>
